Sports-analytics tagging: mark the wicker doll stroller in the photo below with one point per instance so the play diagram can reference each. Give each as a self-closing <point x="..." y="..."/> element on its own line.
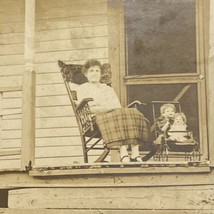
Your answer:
<point x="173" y="143"/>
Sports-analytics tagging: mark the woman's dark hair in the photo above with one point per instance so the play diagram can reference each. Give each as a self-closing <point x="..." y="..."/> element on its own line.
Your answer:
<point x="91" y="63"/>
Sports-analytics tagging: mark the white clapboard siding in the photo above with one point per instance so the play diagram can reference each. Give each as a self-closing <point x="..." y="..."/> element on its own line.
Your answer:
<point x="12" y="27"/>
<point x="54" y="111"/>
<point x="67" y="44"/>
<point x="10" y="164"/>
<point x="56" y="122"/>
<point x="63" y="151"/>
<point x="55" y="132"/>
<point x="71" y="55"/>
<point x="11" y="103"/>
<point x="12" y="38"/>
<point x="47" y="101"/>
<point x="65" y="3"/>
<point x="57" y="141"/>
<point x="11" y="134"/>
<point x="46" y="90"/>
<point x="11" y="144"/>
<point x="73" y="33"/>
<point x="72" y="22"/>
<point x="11" y="70"/>
<point x="59" y="161"/>
<point x="73" y="10"/>
<point x="9" y="49"/>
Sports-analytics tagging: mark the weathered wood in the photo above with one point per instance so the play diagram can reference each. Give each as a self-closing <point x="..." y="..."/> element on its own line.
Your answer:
<point x="62" y="45"/>
<point x="11" y="103"/>
<point x="11" y="134"/>
<point x="210" y="86"/>
<point x="15" y="179"/>
<point x="54" y="111"/>
<point x="71" y="22"/>
<point x="10" y="81"/>
<point x="74" y="10"/>
<point x="11" y="113"/>
<point x="11" y="70"/>
<point x="188" y="197"/>
<point x="8" y="89"/>
<point x="11" y="144"/>
<point x="54" y="132"/>
<point x="73" y="54"/>
<point x="103" y="211"/>
<point x="10" y="152"/>
<point x="28" y="118"/>
<point x="130" y="169"/>
<point x="73" y="33"/>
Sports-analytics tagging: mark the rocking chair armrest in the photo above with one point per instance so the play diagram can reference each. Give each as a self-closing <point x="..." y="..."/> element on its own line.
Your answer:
<point x="83" y="103"/>
<point x="134" y="103"/>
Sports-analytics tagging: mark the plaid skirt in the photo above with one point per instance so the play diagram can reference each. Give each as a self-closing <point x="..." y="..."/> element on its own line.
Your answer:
<point x="123" y="126"/>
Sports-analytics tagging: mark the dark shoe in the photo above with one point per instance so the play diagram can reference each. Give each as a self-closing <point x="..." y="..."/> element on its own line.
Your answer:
<point x="125" y="159"/>
<point x="136" y="159"/>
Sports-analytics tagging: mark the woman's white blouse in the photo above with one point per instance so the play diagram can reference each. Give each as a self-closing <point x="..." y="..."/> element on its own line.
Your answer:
<point x="102" y="94"/>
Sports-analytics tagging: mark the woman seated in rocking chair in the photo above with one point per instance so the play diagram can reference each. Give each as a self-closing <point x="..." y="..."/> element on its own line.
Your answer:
<point x="118" y="126"/>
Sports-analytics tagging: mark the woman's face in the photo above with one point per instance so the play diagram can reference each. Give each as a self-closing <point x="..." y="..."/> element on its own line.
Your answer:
<point x="93" y="74"/>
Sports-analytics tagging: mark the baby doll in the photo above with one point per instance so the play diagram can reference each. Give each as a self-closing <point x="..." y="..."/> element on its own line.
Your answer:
<point x="164" y="122"/>
<point x="178" y="130"/>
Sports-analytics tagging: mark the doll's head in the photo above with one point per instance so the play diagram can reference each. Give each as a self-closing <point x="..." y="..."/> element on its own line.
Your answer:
<point x="179" y="119"/>
<point x="168" y="110"/>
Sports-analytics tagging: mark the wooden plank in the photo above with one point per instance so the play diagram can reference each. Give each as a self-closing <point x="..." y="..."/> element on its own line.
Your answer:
<point x="54" y="111"/>
<point x="67" y="55"/>
<point x="73" y="33"/>
<point x="10" y="152"/>
<point x="51" y="89"/>
<point x="188" y="197"/>
<point x="14" y="27"/>
<point x="10" y="81"/>
<point x="11" y="103"/>
<point x="63" y="45"/>
<point x="11" y="143"/>
<point x="210" y="86"/>
<point x="12" y="112"/>
<point x="55" y="132"/>
<point x="71" y="22"/>
<point x="28" y="117"/>
<point x="12" y="94"/>
<point x="67" y="3"/>
<point x="10" y="88"/>
<point x="59" y="161"/>
<point x="74" y="10"/>
<point x="48" y="101"/>
<point x="10" y="164"/>
<point x="59" y="152"/>
<point x="54" y="141"/>
<point x="10" y="49"/>
<point x="11" y="70"/>
<point x="17" y="179"/>
<point x="14" y="124"/>
<point x="11" y="134"/>
<point x="58" y="122"/>
<point x="0" y="120"/>
<point x="12" y="38"/>
<point x="103" y="211"/>
<point x="49" y="78"/>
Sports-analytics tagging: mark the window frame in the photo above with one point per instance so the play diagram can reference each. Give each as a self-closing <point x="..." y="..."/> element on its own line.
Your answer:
<point x="117" y="58"/>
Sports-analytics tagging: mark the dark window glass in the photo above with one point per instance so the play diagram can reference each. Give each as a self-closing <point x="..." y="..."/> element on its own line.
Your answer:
<point x="160" y="36"/>
<point x="168" y="92"/>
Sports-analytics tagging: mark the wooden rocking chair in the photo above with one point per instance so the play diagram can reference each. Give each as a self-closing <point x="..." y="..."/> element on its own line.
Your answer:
<point x="89" y="132"/>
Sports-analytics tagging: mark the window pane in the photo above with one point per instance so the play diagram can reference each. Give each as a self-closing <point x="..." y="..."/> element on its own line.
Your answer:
<point x="161" y="36"/>
<point x="168" y="92"/>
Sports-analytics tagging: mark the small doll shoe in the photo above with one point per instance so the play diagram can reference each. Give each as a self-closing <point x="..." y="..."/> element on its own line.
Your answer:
<point x="125" y="159"/>
<point x="136" y="159"/>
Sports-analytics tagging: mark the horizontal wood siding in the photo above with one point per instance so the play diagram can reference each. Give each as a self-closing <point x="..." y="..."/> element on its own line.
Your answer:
<point x="134" y="198"/>
<point x="11" y="70"/>
<point x="71" y="31"/>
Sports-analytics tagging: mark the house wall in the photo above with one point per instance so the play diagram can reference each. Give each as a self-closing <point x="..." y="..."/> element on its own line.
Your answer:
<point x="71" y="31"/>
<point x="11" y="70"/>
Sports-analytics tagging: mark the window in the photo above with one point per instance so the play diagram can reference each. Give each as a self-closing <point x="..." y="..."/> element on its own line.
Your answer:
<point x="164" y="45"/>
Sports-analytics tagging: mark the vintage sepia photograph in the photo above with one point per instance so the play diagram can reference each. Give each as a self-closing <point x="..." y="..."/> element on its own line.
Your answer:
<point x="106" y="106"/>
